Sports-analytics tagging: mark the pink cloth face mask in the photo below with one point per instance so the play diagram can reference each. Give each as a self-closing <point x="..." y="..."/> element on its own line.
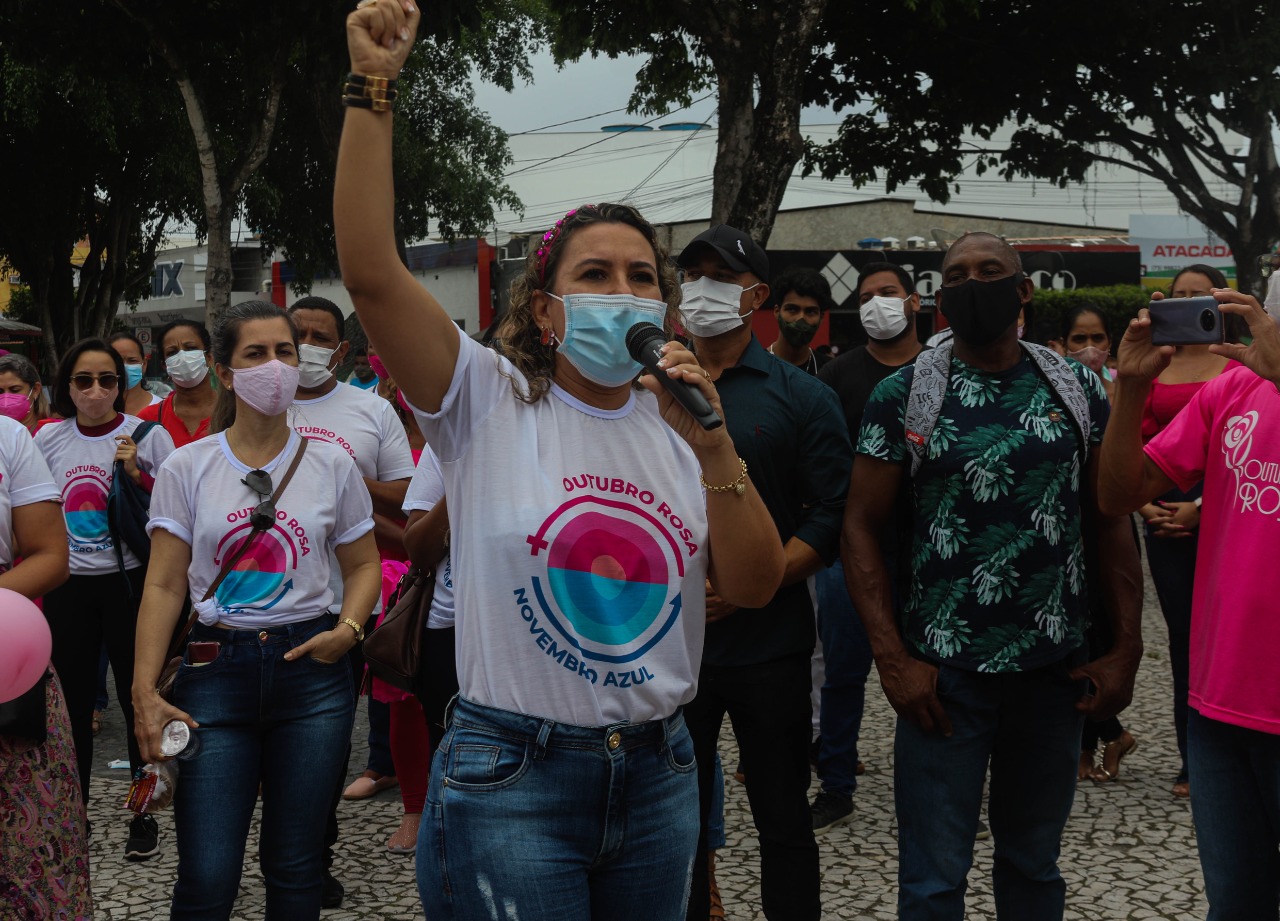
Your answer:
<point x="15" y="405"/>
<point x="1091" y="357"/>
<point x="94" y="402"/>
<point x="269" y="387"/>
<point x="378" y="367"/>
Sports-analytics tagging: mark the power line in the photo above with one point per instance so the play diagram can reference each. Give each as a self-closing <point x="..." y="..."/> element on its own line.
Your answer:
<point x="657" y="169"/>
<point x="571" y="121"/>
<point x="607" y="137"/>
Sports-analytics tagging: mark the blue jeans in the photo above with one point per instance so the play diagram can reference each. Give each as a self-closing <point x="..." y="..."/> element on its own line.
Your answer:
<point x="529" y="818"/>
<point x="261" y="718"/>
<point x="847" y="652"/>
<point x="1236" y="807"/>
<point x="1025" y="725"/>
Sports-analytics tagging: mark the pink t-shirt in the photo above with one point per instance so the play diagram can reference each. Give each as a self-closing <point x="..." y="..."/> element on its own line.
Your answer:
<point x="1229" y="435"/>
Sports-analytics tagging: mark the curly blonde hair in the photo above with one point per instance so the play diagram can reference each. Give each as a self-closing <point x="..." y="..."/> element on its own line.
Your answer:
<point x="519" y="333"/>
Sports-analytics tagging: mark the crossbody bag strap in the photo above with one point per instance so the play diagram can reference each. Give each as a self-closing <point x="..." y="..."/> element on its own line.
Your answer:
<point x="231" y="561"/>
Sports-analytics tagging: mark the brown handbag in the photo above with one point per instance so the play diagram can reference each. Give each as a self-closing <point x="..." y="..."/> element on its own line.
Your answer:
<point x="393" y="651"/>
<point x="164" y="684"/>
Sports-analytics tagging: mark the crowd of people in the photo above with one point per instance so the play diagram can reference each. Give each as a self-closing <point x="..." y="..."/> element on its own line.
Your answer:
<point x="614" y="575"/>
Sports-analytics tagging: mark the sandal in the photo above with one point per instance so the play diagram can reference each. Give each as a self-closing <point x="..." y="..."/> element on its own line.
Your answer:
<point x="1112" y="753"/>
<point x="404" y="840"/>
<point x="717" y="903"/>
<point x="96" y="723"/>
<point x="1088" y="761"/>
<point x="368" y="784"/>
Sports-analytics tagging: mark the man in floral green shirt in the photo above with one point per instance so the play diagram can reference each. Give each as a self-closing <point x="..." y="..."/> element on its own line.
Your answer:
<point x="988" y="665"/>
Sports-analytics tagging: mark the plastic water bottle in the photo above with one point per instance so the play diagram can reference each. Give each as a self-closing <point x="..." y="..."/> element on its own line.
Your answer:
<point x="178" y="741"/>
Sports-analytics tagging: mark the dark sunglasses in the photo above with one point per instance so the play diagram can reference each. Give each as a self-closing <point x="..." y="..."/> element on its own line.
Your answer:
<point x="264" y="516"/>
<point x="85" y="381"/>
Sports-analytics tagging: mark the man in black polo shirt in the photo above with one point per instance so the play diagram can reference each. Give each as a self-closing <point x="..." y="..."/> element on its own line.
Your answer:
<point x="888" y="304"/>
<point x="788" y="427"/>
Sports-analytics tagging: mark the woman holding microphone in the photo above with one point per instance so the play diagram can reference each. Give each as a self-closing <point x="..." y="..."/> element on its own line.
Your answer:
<point x="581" y="542"/>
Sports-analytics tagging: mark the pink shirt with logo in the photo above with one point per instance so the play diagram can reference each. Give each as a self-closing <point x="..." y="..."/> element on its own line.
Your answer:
<point x="1229" y="435"/>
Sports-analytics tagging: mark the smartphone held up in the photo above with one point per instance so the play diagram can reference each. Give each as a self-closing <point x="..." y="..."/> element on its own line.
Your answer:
<point x="1186" y="321"/>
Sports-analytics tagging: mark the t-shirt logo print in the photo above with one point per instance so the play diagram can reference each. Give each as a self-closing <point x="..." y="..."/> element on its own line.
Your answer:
<point x="84" y="500"/>
<point x="608" y="590"/>
<point x="1257" y="480"/>
<point x="260" y="578"/>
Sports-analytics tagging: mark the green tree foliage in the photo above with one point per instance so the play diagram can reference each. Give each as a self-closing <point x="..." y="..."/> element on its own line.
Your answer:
<point x="261" y="86"/>
<point x="449" y="158"/>
<point x="1154" y="86"/>
<point x="1118" y="303"/>
<point x="84" y="156"/>
<point x="754" y="56"/>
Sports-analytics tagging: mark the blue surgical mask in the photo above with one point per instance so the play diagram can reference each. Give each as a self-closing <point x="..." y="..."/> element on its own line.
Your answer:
<point x="595" y="333"/>
<point x="132" y="376"/>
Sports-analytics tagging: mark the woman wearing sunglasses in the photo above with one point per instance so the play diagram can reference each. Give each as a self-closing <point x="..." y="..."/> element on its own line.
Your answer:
<point x="98" y="602"/>
<point x="264" y="683"/>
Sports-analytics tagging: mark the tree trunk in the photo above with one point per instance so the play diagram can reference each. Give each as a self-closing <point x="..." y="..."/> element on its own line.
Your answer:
<point x="759" y="141"/>
<point x="734" y="133"/>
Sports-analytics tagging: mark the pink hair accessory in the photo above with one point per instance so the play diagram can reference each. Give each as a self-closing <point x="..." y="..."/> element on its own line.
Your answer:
<point x="549" y="240"/>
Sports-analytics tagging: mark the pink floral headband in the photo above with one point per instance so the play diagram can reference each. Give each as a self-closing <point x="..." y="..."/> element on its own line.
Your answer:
<point x="549" y="241"/>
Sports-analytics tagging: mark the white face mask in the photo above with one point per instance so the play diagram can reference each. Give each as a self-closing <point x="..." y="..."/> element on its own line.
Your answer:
<point x="711" y="308"/>
<point x="313" y="365"/>
<point x="884" y="317"/>
<point x="187" y="368"/>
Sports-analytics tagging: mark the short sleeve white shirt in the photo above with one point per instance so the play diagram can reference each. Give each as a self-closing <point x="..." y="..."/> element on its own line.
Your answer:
<point x="201" y="498"/>
<point x="365" y="426"/>
<point x="24" y="480"/>
<point x="578" y="539"/>
<point x="82" y="468"/>
<point x="425" y="490"/>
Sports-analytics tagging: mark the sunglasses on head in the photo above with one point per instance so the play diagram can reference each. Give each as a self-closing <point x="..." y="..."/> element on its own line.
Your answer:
<point x="84" y="380"/>
<point x="264" y="515"/>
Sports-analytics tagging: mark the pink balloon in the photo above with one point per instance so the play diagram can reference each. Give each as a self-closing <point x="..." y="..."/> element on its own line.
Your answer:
<point x="25" y="644"/>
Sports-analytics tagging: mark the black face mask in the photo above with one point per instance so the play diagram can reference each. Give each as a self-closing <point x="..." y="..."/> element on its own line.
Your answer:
<point x="980" y="311"/>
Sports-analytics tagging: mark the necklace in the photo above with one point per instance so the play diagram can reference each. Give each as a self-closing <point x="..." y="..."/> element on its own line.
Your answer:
<point x="810" y="365"/>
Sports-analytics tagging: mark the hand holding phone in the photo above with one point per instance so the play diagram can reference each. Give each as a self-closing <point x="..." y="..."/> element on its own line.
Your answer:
<point x="1186" y="321"/>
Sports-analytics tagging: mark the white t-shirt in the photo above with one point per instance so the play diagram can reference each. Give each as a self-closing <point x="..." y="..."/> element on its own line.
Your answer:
<point x="425" y="490"/>
<point x="24" y="480"/>
<point x="82" y="468"/>
<point x="367" y="428"/>
<point x="200" y="497"/>
<point x="578" y="538"/>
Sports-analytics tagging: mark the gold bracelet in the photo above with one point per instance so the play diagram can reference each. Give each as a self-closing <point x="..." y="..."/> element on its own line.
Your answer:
<point x="738" y="486"/>
<point x="354" y="626"/>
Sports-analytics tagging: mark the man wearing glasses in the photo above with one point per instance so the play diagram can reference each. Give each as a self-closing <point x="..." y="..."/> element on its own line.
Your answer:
<point x="803" y="298"/>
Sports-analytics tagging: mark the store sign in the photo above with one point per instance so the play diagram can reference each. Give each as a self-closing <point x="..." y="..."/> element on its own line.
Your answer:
<point x="165" y="281"/>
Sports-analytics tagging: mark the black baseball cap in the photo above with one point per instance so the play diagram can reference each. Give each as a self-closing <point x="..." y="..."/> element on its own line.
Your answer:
<point x="738" y="250"/>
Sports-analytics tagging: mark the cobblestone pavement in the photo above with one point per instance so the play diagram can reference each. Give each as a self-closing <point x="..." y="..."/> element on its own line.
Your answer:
<point x="1128" y="852"/>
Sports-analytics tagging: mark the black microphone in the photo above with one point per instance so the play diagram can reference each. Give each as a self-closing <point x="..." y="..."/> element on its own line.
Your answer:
<point x="645" y="342"/>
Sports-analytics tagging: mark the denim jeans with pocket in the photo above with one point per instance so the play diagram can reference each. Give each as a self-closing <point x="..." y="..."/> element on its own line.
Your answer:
<point x="286" y="724"/>
<point x="847" y="652"/>
<point x="533" y="819"/>
<point x="1025" y="726"/>
<point x="1235" y="802"/>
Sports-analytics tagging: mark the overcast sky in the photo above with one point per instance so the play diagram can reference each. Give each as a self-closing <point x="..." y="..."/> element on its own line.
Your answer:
<point x="585" y="88"/>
